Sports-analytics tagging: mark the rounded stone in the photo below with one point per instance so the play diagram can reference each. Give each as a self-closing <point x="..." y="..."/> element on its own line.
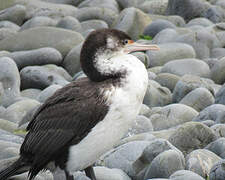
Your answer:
<point x="7" y="125"/>
<point x="14" y="14"/>
<point x="215" y="112"/>
<point x="9" y="82"/>
<point x="142" y="57"/>
<point x="10" y="25"/>
<point x="70" y="23"/>
<point x="181" y="67"/>
<point x="10" y="139"/>
<point x="198" y="99"/>
<point x="8" y="149"/>
<point x="191" y="136"/>
<point x="72" y="61"/>
<point x="94" y="24"/>
<point x="171" y="116"/>
<point x="218" y="71"/>
<point x="6" y="33"/>
<point x="34" y="38"/>
<point x="156" y="95"/>
<point x="165" y="164"/>
<point x="40" y="77"/>
<point x="217" y="147"/>
<point x="201" y="161"/>
<point x="217" y="53"/>
<point x="167" y="80"/>
<point x="31" y="93"/>
<point x="156" y="26"/>
<point x="169" y="52"/>
<point x="154" y="7"/>
<point x="187" y="83"/>
<point x="217" y="171"/>
<point x="199" y="21"/>
<point x="220" y="96"/>
<point x="47" y="92"/>
<point x="185" y="175"/>
<point x="219" y="130"/>
<point x="165" y="36"/>
<point x="18" y="110"/>
<point x="40" y="56"/>
<point x="38" y="21"/>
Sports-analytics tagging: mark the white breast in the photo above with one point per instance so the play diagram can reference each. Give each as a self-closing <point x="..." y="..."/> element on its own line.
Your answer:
<point x="125" y="102"/>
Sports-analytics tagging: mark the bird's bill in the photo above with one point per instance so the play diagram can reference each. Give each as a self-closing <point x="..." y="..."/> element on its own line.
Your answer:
<point x="133" y="46"/>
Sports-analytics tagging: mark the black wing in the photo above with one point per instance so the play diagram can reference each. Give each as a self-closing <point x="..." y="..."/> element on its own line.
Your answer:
<point x="64" y="119"/>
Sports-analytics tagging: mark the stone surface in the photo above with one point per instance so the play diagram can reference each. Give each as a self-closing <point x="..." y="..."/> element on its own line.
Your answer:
<point x="142" y="57"/>
<point x="218" y="53"/>
<point x="218" y="71"/>
<point x="217" y="171"/>
<point x="187" y="83"/>
<point x="198" y="99"/>
<point x="10" y="25"/>
<point x="60" y="39"/>
<point x="217" y="147"/>
<point x="31" y="93"/>
<point x="167" y="80"/>
<point x="40" y="56"/>
<point x="93" y="24"/>
<point x="9" y="82"/>
<point x="185" y="175"/>
<point x="37" y="22"/>
<point x="181" y="67"/>
<point x="201" y="161"/>
<point x="157" y="95"/>
<point x="169" y="52"/>
<point x="18" y="110"/>
<point x="40" y="77"/>
<point x="9" y="139"/>
<point x="192" y="135"/>
<point x="14" y="14"/>
<point x="154" y="6"/>
<point x="220" y="96"/>
<point x="165" y="164"/>
<point x="219" y="130"/>
<point x="70" y="23"/>
<point x="6" y="33"/>
<point x="215" y="112"/>
<point x="157" y="26"/>
<point x="199" y="21"/>
<point x="171" y="115"/>
<point x="132" y="21"/>
<point x="7" y="125"/>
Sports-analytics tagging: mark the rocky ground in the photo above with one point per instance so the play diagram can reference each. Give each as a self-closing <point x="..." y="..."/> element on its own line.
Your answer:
<point x="180" y="131"/>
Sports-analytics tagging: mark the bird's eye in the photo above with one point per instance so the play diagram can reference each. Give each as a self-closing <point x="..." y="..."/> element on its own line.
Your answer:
<point x="126" y="41"/>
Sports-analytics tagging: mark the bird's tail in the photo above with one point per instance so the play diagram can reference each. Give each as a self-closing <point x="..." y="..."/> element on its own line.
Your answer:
<point x="14" y="169"/>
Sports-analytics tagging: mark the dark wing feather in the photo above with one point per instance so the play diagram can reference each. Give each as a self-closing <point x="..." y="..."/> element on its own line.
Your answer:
<point x="64" y="119"/>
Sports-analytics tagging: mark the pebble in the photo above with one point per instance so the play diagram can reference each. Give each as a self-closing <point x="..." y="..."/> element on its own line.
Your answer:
<point x="217" y="147"/>
<point x="167" y="80"/>
<point x="217" y="171"/>
<point x="40" y="77"/>
<point x="10" y="25"/>
<point x="9" y="139"/>
<point x="215" y="112"/>
<point x="198" y="99"/>
<point x="191" y="136"/>
<point x="18" y="110"/>
<point x="220" y="96"/>
<point x="169" y="52"/>
<point x="9" y="82"/>
<point x="156" y="95"/>
<point x="218" y="53"/>
<point x="132" y="21"/>
<point x="165" y="164"/>
<point x="70" y="23"/>
<point x="156" y="26"/>
<point x="6" y="33"/>
<point x="40" y="56"/>
<point x="187" y="83"/>
<point x="93" y="24"/>
<point x="154" y="6"/>
<point x="201" y="161"/>
<point x="185" y="175"/>
<point x="218" y="72"/>
<point x="14" y="14"/>
<point x="199" y="21"/>
<point x="181" y="67"/>
<point x="142" y="57"/>
<point x="171" y="116"/>
<point x="219" y="130"/>
<point x="38" y="21"/>
<point x="7" y="125"/>
<point x="31" y="93"/>
<point x="34" y="38"/>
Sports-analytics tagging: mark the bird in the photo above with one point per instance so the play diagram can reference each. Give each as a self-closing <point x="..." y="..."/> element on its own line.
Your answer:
<point x="87" y="117"/>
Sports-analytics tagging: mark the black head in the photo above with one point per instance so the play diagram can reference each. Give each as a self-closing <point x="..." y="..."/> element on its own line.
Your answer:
<point x="101" y="41"/>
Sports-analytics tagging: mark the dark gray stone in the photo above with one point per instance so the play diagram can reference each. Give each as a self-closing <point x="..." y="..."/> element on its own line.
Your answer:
<point x="165" y="164"/>
<point x="70" y="23"/>
<point x="215" y="112"/>
<point x="217" y="147"/>
<point x="14" y="14"/>
<point x="40" y="56"/>
<point x="192" y="135"/>
<point x="40" y="77"/>
<point x="215" y="14"/>
<point x="217" y="171"/>
<point x="34" y="38"/>
<point x="9" y="82"/>
<point x="156" y="26"/>
<point x="37" y="22"/>
<point x="201" y="161"/>
<point x="220" y="96"/>
<point x="185" y="175"/>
